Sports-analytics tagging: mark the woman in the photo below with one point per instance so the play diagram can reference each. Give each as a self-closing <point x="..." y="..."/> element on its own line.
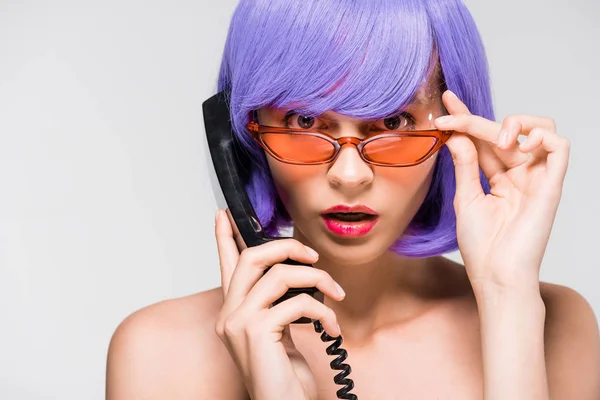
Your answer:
<point x="415" y="325"/>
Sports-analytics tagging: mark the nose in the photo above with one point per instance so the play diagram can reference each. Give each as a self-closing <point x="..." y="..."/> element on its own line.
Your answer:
<point x="349" y="170"/>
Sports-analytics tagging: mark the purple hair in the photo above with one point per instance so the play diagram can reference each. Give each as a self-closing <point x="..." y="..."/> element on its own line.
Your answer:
<point x="364" y="59"/>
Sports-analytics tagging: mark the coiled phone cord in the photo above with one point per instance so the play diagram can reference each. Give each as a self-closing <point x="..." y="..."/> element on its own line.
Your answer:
<point x="338" y="363"/>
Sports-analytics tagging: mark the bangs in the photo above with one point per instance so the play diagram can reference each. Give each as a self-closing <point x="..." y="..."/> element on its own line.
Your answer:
<point x="365" y="59"/>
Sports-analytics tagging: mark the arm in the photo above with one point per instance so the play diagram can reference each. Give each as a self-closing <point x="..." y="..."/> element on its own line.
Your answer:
<point x="532" y="348"/>
<point x="512" y="339"/>
<point x="539" y="345"/>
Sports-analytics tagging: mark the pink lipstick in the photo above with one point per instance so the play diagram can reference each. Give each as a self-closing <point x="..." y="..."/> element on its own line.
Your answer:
<point x="350" y="221"/>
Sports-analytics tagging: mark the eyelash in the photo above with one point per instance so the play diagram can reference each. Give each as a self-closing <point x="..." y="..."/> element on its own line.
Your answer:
<point x="404" y="114"/>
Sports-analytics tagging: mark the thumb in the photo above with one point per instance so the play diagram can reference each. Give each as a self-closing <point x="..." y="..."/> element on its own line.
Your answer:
<point x="466" y="168"/>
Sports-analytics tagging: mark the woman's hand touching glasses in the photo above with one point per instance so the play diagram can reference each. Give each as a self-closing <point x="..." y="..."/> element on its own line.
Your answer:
<point x="503" y="235"/>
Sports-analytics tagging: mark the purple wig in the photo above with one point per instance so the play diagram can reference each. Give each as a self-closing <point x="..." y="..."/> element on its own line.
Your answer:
<point x="364" y="59"/>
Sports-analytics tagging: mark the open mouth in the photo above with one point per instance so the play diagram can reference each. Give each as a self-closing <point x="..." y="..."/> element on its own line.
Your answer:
<point x="348" y="224"/>
<point x="350" y="217"/>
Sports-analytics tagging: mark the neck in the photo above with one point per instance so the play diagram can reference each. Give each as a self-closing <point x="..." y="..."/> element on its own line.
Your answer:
<point x="380" y="293"/>
<point x="371" y="287"/>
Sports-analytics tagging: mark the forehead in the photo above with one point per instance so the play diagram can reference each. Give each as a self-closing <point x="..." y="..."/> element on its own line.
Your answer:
<point x="431" y="90"/>
<point x="428" y="94"/>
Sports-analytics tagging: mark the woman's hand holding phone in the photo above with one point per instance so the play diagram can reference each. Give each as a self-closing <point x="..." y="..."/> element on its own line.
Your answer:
<point x="257" y="335"/>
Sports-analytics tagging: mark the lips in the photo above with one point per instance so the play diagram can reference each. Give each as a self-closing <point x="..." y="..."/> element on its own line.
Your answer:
<point x="349" y="209"/>
<point x="350" y="221"/>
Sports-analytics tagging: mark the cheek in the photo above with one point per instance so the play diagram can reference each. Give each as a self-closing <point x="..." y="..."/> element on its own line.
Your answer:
<point x="428" y="167"/>
<point x="408" y="187"/>
<point x="292" y="181"/>
<point x="410" y="179"/>
<point x="425" y="174"/>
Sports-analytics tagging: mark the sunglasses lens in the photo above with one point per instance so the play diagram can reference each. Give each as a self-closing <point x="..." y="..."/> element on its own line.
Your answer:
<point x="298" y="147"/>
<point x="398" y="149"/>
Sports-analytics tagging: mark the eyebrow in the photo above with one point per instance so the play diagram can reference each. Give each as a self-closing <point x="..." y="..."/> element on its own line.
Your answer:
<point x="326" y="116"/>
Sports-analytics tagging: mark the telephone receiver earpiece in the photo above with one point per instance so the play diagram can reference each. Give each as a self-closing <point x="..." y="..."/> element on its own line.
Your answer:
<point x="231" y="164"/>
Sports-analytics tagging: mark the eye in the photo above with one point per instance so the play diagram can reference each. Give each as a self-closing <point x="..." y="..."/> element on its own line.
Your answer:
<point x="299" y="121"/>
<point x="402" y="121"/>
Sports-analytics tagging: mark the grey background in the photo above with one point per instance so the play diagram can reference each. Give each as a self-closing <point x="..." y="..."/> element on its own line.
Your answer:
<point x="106" y="204"/>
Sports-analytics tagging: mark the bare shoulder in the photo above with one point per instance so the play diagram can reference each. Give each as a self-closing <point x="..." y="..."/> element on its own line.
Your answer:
<point x="571" y="334"/>
<point x="572" y="344"/>
<point x="169" y="350"/>
<point x="567" y="313"/>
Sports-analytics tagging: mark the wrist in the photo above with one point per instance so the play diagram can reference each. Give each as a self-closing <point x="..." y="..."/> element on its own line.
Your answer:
<point x="523" y="296"/>
<point x="502" y="280"/>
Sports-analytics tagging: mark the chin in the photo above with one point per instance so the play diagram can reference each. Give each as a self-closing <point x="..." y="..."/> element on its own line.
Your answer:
<point x="354" y="256"/>
<point x="348" y="251"/>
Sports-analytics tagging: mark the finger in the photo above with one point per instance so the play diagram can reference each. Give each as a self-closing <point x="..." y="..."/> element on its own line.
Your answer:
<point x="492" y="158"/>
<point x="488" y="132"/>
<point x="461" y="119"/>
<point x="454" y="105"/>
<point x="489" y="162"/>
<point x="299" y="306"/>
<point x="555" y="146"/>
<point x="515" y="125"/>
<point x="255" y="260"/>
<point x="227" y="249"/>
<point x="488" y="159"/>
<point x="282" y="277"/>
<point x="237" y="237"/>
<point x="473" y="125"/>
<point x="465" y="157"/>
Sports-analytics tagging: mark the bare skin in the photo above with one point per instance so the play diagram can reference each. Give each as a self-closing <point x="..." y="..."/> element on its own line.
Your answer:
<point x="169" y="350"/>
<point x="414" y="328"/>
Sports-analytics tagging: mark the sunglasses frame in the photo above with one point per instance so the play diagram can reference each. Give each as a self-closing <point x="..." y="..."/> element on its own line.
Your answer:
<point x="256" y="131"/>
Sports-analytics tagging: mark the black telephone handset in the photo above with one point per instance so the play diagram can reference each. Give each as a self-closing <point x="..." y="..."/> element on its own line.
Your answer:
<point x="228" y="159"/>
<point x="228" y="156"/>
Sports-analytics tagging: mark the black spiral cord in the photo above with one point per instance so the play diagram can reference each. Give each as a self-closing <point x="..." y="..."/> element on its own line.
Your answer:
<point x="338" y="363"/>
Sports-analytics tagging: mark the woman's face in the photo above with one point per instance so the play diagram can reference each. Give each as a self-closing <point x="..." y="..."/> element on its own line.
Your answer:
<point x="394" y="193"/>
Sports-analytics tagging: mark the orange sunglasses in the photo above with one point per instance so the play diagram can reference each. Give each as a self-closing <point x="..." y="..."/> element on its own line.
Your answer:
<point x="383" y="148"/>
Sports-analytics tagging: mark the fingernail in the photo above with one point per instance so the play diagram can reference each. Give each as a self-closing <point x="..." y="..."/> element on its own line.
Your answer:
<point x="217" y="214"/>
<point x="339" y="329"/>
<point x="311" y="252"/>
<point x="502" y="138"/>
<point x="445" y="119"/>
<point x="339" y="289"/>
<point x="452" y="94"/>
